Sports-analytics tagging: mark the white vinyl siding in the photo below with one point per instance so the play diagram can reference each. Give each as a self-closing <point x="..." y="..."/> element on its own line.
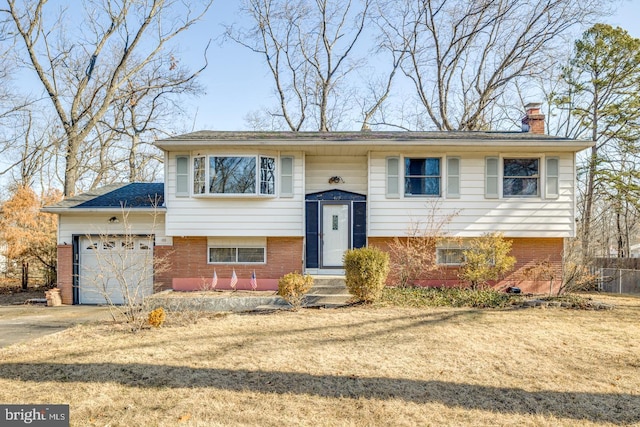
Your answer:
<point x="453" y="177"/>
<point x="473" y="214"/>
<point x="551" y="181"/>
<point x="491" y="190"/>
<point x="393" y="177"/>
<point x="286" y="176"/>
<point x="238" y="215"/>
<point x="96" y="223"/>
<point x="182" y="176"/>
<point x="352" y="170"/>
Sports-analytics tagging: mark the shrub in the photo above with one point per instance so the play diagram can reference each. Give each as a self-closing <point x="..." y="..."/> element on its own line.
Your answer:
<point x="486" y="259"/>
<point x="157" y="317"/>
<point x="366" y="272"/>
<point x="449" y="297"/>
<point x="293" y="286"/>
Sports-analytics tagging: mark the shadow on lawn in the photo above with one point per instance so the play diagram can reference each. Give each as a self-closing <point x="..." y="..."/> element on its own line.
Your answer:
<point x="596" y="407"/>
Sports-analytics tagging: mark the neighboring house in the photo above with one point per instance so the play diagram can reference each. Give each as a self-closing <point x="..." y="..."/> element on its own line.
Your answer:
<point x="277" y="202"/>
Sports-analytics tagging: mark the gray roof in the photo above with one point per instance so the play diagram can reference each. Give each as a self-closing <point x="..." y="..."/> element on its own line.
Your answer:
<point x="381" y="140"/>
<point x="135" y="196"/>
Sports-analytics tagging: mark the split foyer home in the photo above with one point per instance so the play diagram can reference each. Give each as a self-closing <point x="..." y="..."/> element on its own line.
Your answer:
<point x="263" y="204"/>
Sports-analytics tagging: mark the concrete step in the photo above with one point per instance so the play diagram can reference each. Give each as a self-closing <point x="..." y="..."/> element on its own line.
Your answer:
<point x="327" y="292"/>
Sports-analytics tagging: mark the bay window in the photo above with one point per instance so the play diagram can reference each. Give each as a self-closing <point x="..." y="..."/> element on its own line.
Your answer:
<point x="239" y="175"/>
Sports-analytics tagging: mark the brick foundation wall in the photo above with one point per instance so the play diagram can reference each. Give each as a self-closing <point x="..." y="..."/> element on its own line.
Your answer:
<point x="530" y="253"/>
<point x="187" y="259"/>
<point x="64" y="271"/>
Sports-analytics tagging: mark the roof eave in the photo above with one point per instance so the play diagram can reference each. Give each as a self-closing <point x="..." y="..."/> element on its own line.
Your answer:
<point x="57" y="210"/>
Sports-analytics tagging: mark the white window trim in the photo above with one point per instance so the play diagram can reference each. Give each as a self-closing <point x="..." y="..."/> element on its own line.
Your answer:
<point x="541" y="162"/>
<point x="448" y="248"/>
<point x="403" y="177"/>
<point x="207" y="168"/>
<point x="236" y="247"/>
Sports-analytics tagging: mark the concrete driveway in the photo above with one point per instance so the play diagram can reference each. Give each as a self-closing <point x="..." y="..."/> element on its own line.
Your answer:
<point x="26" y="322"/>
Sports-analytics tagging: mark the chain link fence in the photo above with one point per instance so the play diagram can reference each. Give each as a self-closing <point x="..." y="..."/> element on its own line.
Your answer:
<point x="619" y="280"/>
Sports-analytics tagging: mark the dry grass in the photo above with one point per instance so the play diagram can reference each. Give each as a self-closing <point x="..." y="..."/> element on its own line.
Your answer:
<point x="348" y="367"/>
<point x="11" y="292"/>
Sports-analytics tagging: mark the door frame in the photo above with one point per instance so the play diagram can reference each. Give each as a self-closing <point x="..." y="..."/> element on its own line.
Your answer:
<point x="357" y="226"/>
<point x="324" y="203"/>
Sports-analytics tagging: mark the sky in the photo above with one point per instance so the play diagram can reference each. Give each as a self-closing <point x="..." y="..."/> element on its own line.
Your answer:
<point x="236" y="81"/>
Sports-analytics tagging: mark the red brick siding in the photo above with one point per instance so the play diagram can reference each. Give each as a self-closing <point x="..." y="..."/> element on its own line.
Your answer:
<point x="528" y="252"/>
<point x="64" y="280"/>
<point x="187" y="258"/>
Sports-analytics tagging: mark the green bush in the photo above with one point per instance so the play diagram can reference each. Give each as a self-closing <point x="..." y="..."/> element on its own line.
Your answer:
<point x="366" y="271"/>
<point x="293" y="286"/>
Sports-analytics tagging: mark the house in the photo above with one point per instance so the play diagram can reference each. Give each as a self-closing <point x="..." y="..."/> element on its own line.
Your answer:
<point x="269" y="203"/>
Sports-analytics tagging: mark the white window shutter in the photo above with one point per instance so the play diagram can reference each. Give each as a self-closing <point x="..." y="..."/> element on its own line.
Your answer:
<point x="453" y="177"/>
<point x="182" y="176"/>
<point x="491" y="178"/>
<point x="286" y="176"/>
<point x="552" y="184"/>
<point x="393" y="177"/>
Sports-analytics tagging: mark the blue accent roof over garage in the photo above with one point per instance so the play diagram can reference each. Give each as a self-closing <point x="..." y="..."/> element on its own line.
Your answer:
<point x="134" y="195"/>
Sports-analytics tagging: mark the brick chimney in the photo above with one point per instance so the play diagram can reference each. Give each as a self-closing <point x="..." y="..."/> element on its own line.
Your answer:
<point x="533" y="122"/>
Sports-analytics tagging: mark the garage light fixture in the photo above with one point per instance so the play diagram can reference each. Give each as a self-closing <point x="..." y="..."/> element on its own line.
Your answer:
<point x="114" y="220"/>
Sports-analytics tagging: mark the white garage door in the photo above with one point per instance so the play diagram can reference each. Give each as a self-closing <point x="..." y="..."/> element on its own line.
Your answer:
<point x="115" y="269"/>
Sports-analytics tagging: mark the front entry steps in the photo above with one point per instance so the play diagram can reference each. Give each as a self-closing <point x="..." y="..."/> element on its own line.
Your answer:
<point x="327" y="292"/>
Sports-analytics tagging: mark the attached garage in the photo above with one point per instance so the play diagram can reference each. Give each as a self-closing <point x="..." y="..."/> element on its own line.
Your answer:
<point x="107" y="242"/>
<point x="114" y="269"/>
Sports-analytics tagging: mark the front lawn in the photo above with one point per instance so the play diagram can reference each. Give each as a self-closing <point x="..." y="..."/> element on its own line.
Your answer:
<point x="360" y="365"/>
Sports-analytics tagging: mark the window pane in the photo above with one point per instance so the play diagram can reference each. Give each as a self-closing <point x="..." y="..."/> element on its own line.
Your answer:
<point x="222" y="254"/>
<point x="451" y="256"/>
<point x="520" y="186"/>
<point x="422" y="176"/>
<point x="232" y="175"/>
<point x="521" y="177"/>
<point x="198" y="175"/>
<point x="267" y="175"/>
<point x="520" y="167"/>
<point x="250" y="254"/>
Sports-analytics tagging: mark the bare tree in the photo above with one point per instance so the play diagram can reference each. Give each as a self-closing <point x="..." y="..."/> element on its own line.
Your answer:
<point x="83" y="72"/>
<point x="308" y="47"/>
<point x="464" y="55"/>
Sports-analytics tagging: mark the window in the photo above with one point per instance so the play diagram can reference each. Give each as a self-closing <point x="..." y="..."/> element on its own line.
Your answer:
<point x="286" y="176"/>
<point x="521" y="178"/>
<point x="450" y="256"/>
<point x="267" y="175"/>
<point x="232" y="175"/>
<point x="199" y="175"/>
<point x="393" y="177"/>
<point x="241" y="175"/>
<point x="453" y="177"/>
<point x="182" y="176"/>
<point x="422" y="176"/>
<point x="552" y="187"/>
<point x="236" y="255"/>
